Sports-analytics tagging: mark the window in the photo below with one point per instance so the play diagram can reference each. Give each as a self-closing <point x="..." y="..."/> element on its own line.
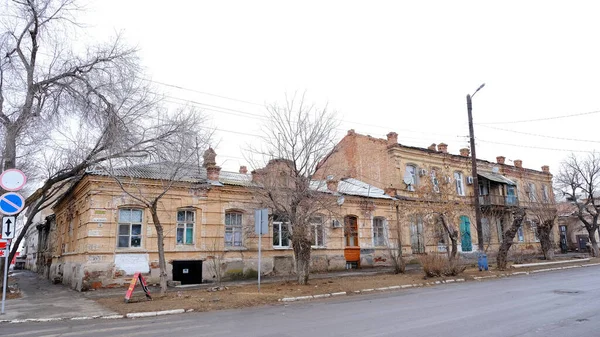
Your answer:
<point x="500" y="227"/>
<point x="317" y="237"/>
<point x="233" y="229"/>
<point x="417" y="236"/>
<point x="130" y="228"/>
<point x="440" y="233"/>
<point x="378" y="232"/>
<point x="434" y="181"/>
<point x="545" y="194"/>
<point x="520" y="235"/>
<point x="410" y="177"/>
<point x="458" y="179"/>
<point x="185" y="227"/>
<point x="281" y="234"/>
<point x="531" y="191"/>
<point x="534" y="226"/>
<point x="485" y="228"/>
<point x="351" y="231"/>
<point x="484" y="187"/>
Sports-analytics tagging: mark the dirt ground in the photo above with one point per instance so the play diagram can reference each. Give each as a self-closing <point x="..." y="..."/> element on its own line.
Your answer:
<point x="247" y="295"/>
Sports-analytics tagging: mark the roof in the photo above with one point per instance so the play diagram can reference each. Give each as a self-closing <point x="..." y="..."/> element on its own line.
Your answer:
<point x="351" y="186"/>
<point x="497" y="178"/>
<point x="166" y="170"/>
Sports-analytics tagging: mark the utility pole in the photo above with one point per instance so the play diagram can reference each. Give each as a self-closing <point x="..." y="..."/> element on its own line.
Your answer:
<point x="474" y="172"/>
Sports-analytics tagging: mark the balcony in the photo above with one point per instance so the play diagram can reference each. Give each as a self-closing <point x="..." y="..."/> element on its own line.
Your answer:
<point x="498" y="200"/>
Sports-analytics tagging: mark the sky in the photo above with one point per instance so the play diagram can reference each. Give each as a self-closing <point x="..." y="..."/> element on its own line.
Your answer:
<point x="403" y="66"/>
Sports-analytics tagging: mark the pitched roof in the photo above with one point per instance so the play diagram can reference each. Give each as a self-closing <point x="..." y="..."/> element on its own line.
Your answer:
<point x="351" y="186"/>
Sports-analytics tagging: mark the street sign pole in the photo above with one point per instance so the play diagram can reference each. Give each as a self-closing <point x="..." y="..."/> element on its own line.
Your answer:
<point x="6" y="253"/>
<point x="261" y="221"/>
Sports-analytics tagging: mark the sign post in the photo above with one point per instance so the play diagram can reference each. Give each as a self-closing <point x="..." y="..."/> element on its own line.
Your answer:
<point x="6" y="253"/>
<point x="10" y="204"/>
<point x="261" y="226"/>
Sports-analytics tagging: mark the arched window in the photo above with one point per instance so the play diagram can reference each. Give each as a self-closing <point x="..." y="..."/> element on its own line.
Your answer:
<point x="460" y="185"/>
<point x="410" y="177"/>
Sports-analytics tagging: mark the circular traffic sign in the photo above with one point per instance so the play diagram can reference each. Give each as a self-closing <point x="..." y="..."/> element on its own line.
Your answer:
<point x="12" y="180"/>
<point x="11" y="203"/>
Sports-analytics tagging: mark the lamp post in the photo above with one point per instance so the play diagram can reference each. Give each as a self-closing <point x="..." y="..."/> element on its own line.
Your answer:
<point x="474" y="172"/>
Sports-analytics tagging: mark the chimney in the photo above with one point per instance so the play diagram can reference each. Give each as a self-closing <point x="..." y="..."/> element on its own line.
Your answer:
<point x="465" y="152"/>
<point x="212" y="173"/>
<point x="500" y="159"/>
<point x="243" y="170"/>
<point x="351" y="132"/>
<point x="518" y="163"/>
<point x="392" y="192"/>
<point x="332" y="185"/>
<point x="442" y="147"/>
<point x="546" y="169"/>
<point x="392" y="138"/>
<point x="431" y="147"/>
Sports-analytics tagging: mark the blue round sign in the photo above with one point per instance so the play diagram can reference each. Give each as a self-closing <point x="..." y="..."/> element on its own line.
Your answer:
<point x="11" y="203"/>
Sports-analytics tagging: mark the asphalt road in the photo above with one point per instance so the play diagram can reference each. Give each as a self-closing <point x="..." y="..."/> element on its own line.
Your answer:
<point x="561" y="303"/>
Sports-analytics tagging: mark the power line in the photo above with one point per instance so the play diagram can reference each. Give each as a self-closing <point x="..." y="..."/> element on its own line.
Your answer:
<point x="201" y="92"/>
<point x="543" y="119"/>
<point x="533" y="147"/>
<point x="543" y="136"/>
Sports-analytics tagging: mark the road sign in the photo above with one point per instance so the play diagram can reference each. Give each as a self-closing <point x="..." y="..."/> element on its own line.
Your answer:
<point x="11" y="203"/>
<point x="261" y="221"/>
<point x="8" y="227"/>
<point x="12" y="180"/>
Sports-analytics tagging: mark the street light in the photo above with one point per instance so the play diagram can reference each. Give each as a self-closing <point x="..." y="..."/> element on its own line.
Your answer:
<point x="474" y="172"/>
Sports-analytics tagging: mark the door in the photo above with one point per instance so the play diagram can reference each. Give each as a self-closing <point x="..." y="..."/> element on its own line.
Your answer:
<point x="351" y="231"/>
<point x="563" y="238"/>
<point x="582" y="241"/>
<point x="465" y="234"/>
<point x="511" y="198"/>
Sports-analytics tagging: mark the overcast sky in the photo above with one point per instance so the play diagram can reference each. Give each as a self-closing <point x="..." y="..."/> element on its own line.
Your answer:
<point x="403" y="66"/>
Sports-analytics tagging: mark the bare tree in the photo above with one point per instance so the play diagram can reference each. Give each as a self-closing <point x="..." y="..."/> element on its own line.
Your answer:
<point x="508" y="236"/>
<point x="394" y="243"/>
<point x="169" y="163"/>
<point x="579" y="181"/>
<point x="63" y="111"/>
<point x="298" y="136"/>
<point x="545" y="214"/>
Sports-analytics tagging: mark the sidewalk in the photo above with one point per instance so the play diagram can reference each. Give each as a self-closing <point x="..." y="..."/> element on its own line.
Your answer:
<point x="42" y="299"/>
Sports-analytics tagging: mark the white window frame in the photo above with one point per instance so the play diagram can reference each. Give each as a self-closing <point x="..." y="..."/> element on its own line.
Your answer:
<point x="460" y="186"/>
<point x="278" y="235"/>
<point x="434" y="181"/>
<point x="130" y="224"/>
<point x="185" y="224"/>
<point x="545" y="194"/>
<point x="235" y="228"/>
<point x="520" y="234"/>
<point x="532" y="194"/>
<point x="379" y="239"/>
<point x="413" y="174"/>
<point x="317" y="225"/>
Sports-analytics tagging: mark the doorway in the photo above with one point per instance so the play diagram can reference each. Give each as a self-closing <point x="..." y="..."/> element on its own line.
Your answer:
<point x="465" y="234"/>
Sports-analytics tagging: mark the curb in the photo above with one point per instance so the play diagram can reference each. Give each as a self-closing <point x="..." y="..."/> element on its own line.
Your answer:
<point x="117" y="316"/>
<point x="535" y="271"/>
<point x="364" y="291"/>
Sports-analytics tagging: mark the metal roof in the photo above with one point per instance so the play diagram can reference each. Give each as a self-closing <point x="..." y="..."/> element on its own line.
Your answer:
<point x="351" y="186"/>
<point x="497" y="178"/>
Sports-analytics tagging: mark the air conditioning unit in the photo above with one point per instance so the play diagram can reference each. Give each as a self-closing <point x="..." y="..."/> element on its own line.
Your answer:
<point x="470" y="180"/>
<point x="422" y="172"/>
<point x="336" y="224"/>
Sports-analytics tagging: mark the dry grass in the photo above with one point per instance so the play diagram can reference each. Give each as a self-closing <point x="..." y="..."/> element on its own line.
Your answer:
<point x="436" y="265"/>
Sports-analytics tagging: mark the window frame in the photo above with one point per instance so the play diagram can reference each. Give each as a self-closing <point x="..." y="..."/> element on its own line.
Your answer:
<point x="235" y="228"/>
<point x="184" y="225"/>
<point x="532" y="193"/>
<point x="414" y="175"/>
<point x="459" y="183"/>
<point x="130" y="224"/>
<point x="417" y="235"/>
<point x="280" y="233"/>
<point x="316" y="227"/>
<point x="379" y="234"/>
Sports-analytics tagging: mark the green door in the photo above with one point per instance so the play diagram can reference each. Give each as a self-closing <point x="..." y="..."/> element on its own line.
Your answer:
<point x="465" y="234"/>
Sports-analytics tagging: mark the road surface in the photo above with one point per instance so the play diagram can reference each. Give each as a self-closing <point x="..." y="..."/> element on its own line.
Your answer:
<point x="560" y="303"/>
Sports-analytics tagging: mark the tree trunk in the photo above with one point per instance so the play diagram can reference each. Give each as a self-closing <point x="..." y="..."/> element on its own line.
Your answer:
<point x="9" y="154"/>
<point x="544" y="232"/>
<point x="160" y="242"/>
<point x="594" y="243"/>
<point x="509" y="236"/>
<point x="302" y="252"/>
<point x="398" y="259"/>
<point x="454" y="242"/>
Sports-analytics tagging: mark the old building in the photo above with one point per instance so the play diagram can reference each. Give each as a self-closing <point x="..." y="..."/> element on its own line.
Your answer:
<point x="104" y="235"/>
<point x="402" y="170"/>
